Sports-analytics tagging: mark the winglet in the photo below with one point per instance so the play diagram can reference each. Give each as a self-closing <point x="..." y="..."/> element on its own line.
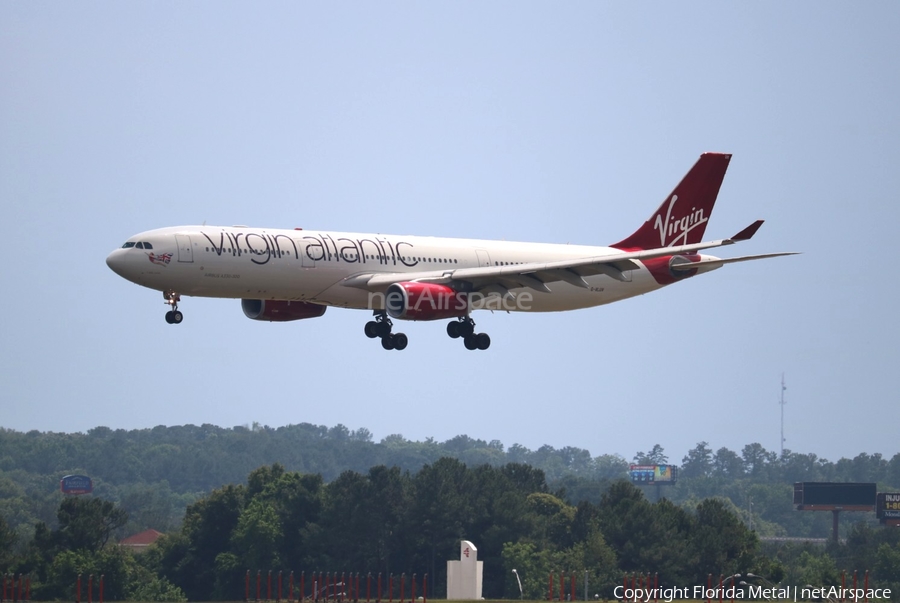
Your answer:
<point x="748" y="232"/>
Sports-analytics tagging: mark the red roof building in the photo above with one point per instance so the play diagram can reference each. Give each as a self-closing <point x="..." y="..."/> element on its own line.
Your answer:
<point x="139" y="542"/>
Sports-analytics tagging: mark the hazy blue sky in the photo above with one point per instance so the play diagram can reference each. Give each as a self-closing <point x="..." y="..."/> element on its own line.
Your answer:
<point x="552" y="122"/>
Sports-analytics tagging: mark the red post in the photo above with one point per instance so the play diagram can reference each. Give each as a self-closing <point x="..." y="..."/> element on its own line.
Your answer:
<point x="357" y="588"/>
<point x="572" y="590"/>
<point x="247" y="587"/>
<point x="101" y="588"/>
<point x="854" y="582"/>
<point x="391" y="588"/>
<point x="550" y="588"/>
<point x="343" y="589"/>
<point x="279" y="586"/>
<point x="562" y="587"/>
<point x="721" y="577"/>
<point x="402" y="585"/>
<point x="368" y="586"/>
<point x="412" y="596"/>
<point x="843" y="584"/>
<point x="19" y="588"/>
<point x="302" y="586"/>
<point x="77" y="589"/>
<point x="291" y="587"/>
<point x="656" y="588"/>
<point x="708" y="587"/>
<point x="378" y="594"/>
<point x="269" y="586"/>
<point x="866" y="588"/>
<point x="258" y="583"/>
<point x="425" y="588"/>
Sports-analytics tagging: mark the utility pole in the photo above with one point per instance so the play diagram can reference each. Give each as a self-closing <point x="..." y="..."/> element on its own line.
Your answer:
<point x="782" y="403"/>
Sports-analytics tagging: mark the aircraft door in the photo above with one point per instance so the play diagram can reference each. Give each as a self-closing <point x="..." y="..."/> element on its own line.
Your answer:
<point x="305" y="260"/>
<point x="483" y="258"/>
<point x="185" y="249"/>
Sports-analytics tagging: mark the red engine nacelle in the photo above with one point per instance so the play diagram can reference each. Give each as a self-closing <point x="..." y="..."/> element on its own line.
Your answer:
<point x="425" y="301"/>
<point x="280" y="311"/>
<point x="662" y="271"/>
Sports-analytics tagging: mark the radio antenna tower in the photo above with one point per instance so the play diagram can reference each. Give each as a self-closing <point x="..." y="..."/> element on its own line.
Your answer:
<point x="782" y="403"/>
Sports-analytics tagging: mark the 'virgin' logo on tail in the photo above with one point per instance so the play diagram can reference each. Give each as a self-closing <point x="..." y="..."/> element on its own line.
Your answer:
<point x="671" y="228"/>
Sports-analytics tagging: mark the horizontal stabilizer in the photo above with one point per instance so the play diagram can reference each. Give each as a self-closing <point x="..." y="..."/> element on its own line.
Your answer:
<point x="718" y="262"/>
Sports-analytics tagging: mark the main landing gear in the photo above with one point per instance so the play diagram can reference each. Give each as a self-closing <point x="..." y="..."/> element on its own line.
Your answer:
<point x="465" y="328"/>
<point x="381" y="327"/>
<point x="173" y="316"/>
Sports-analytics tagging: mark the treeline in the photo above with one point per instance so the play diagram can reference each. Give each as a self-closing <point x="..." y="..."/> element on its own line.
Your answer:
<point x="154" y="474"/>
<point x="391" y="521"/>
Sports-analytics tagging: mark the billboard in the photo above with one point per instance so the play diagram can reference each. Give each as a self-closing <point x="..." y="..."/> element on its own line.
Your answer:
<point x="887" y="505"/>
<point x="76" y="484"/>
<point x="653" y="474"/>
<point x="831" y="495"/>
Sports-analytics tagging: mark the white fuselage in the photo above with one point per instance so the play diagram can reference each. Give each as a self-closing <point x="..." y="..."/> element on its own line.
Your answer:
<point x="313" y="266"/>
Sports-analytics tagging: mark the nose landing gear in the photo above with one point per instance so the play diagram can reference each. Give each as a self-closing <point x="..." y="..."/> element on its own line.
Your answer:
<point x="465" y="328"/>
<point x="381" y="327"/>
<point x="173" y="316"/>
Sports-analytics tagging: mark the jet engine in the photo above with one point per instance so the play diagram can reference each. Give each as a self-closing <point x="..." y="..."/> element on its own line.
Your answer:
<point x="424" y="301"/>
<point x="280" y="311"/>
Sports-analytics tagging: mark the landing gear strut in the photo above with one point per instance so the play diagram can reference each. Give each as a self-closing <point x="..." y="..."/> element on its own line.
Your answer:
<point x="381" y="327"/>
<point x="173" y="316"/>
<point x="465" y="328"/>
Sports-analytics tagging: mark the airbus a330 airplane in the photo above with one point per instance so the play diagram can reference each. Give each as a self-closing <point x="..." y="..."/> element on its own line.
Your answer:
<point x="283" y="275"/>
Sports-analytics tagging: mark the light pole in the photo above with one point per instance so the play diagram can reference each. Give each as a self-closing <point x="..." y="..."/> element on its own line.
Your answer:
<point x="519" y="581"/>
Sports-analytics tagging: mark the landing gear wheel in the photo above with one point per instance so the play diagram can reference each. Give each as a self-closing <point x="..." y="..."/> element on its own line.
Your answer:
<point x="383" y="329"/>
<point x="387" y="342"/>
<point x="483" y="341"/>
<point x="371" y="329"/>
<point x="466" y="327"/>
<point x="471" y="342"/>
<point x="400" y="341"/>
<point x="453" y="329"/>
<point x="173" y="316"/>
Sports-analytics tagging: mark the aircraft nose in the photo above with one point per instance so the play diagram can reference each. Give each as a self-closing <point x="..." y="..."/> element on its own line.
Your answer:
<point x="116" y="262"/>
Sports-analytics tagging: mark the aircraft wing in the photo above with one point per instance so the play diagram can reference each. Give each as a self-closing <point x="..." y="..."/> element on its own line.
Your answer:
<point x="536" y="275"/>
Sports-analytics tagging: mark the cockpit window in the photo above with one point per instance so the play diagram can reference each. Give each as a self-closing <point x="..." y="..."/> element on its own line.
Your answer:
<point x="147" y="245"/>
<point x="128" y="245"/>
<point x="139" y="245"/>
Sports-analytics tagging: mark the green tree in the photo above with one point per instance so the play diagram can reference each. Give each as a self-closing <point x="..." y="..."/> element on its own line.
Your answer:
<point x="87" y="523"/>
<point x="698" y="462"/>
<point x="656" y="456"/>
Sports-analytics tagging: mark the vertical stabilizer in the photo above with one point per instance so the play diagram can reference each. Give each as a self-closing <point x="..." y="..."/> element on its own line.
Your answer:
<point x="682" y="217"/>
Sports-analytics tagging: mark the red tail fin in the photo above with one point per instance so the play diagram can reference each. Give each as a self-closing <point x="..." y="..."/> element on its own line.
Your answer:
<point x="682" y="218"/>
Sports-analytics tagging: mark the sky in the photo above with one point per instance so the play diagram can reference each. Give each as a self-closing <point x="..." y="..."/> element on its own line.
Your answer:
<point x="531" y="121"/>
